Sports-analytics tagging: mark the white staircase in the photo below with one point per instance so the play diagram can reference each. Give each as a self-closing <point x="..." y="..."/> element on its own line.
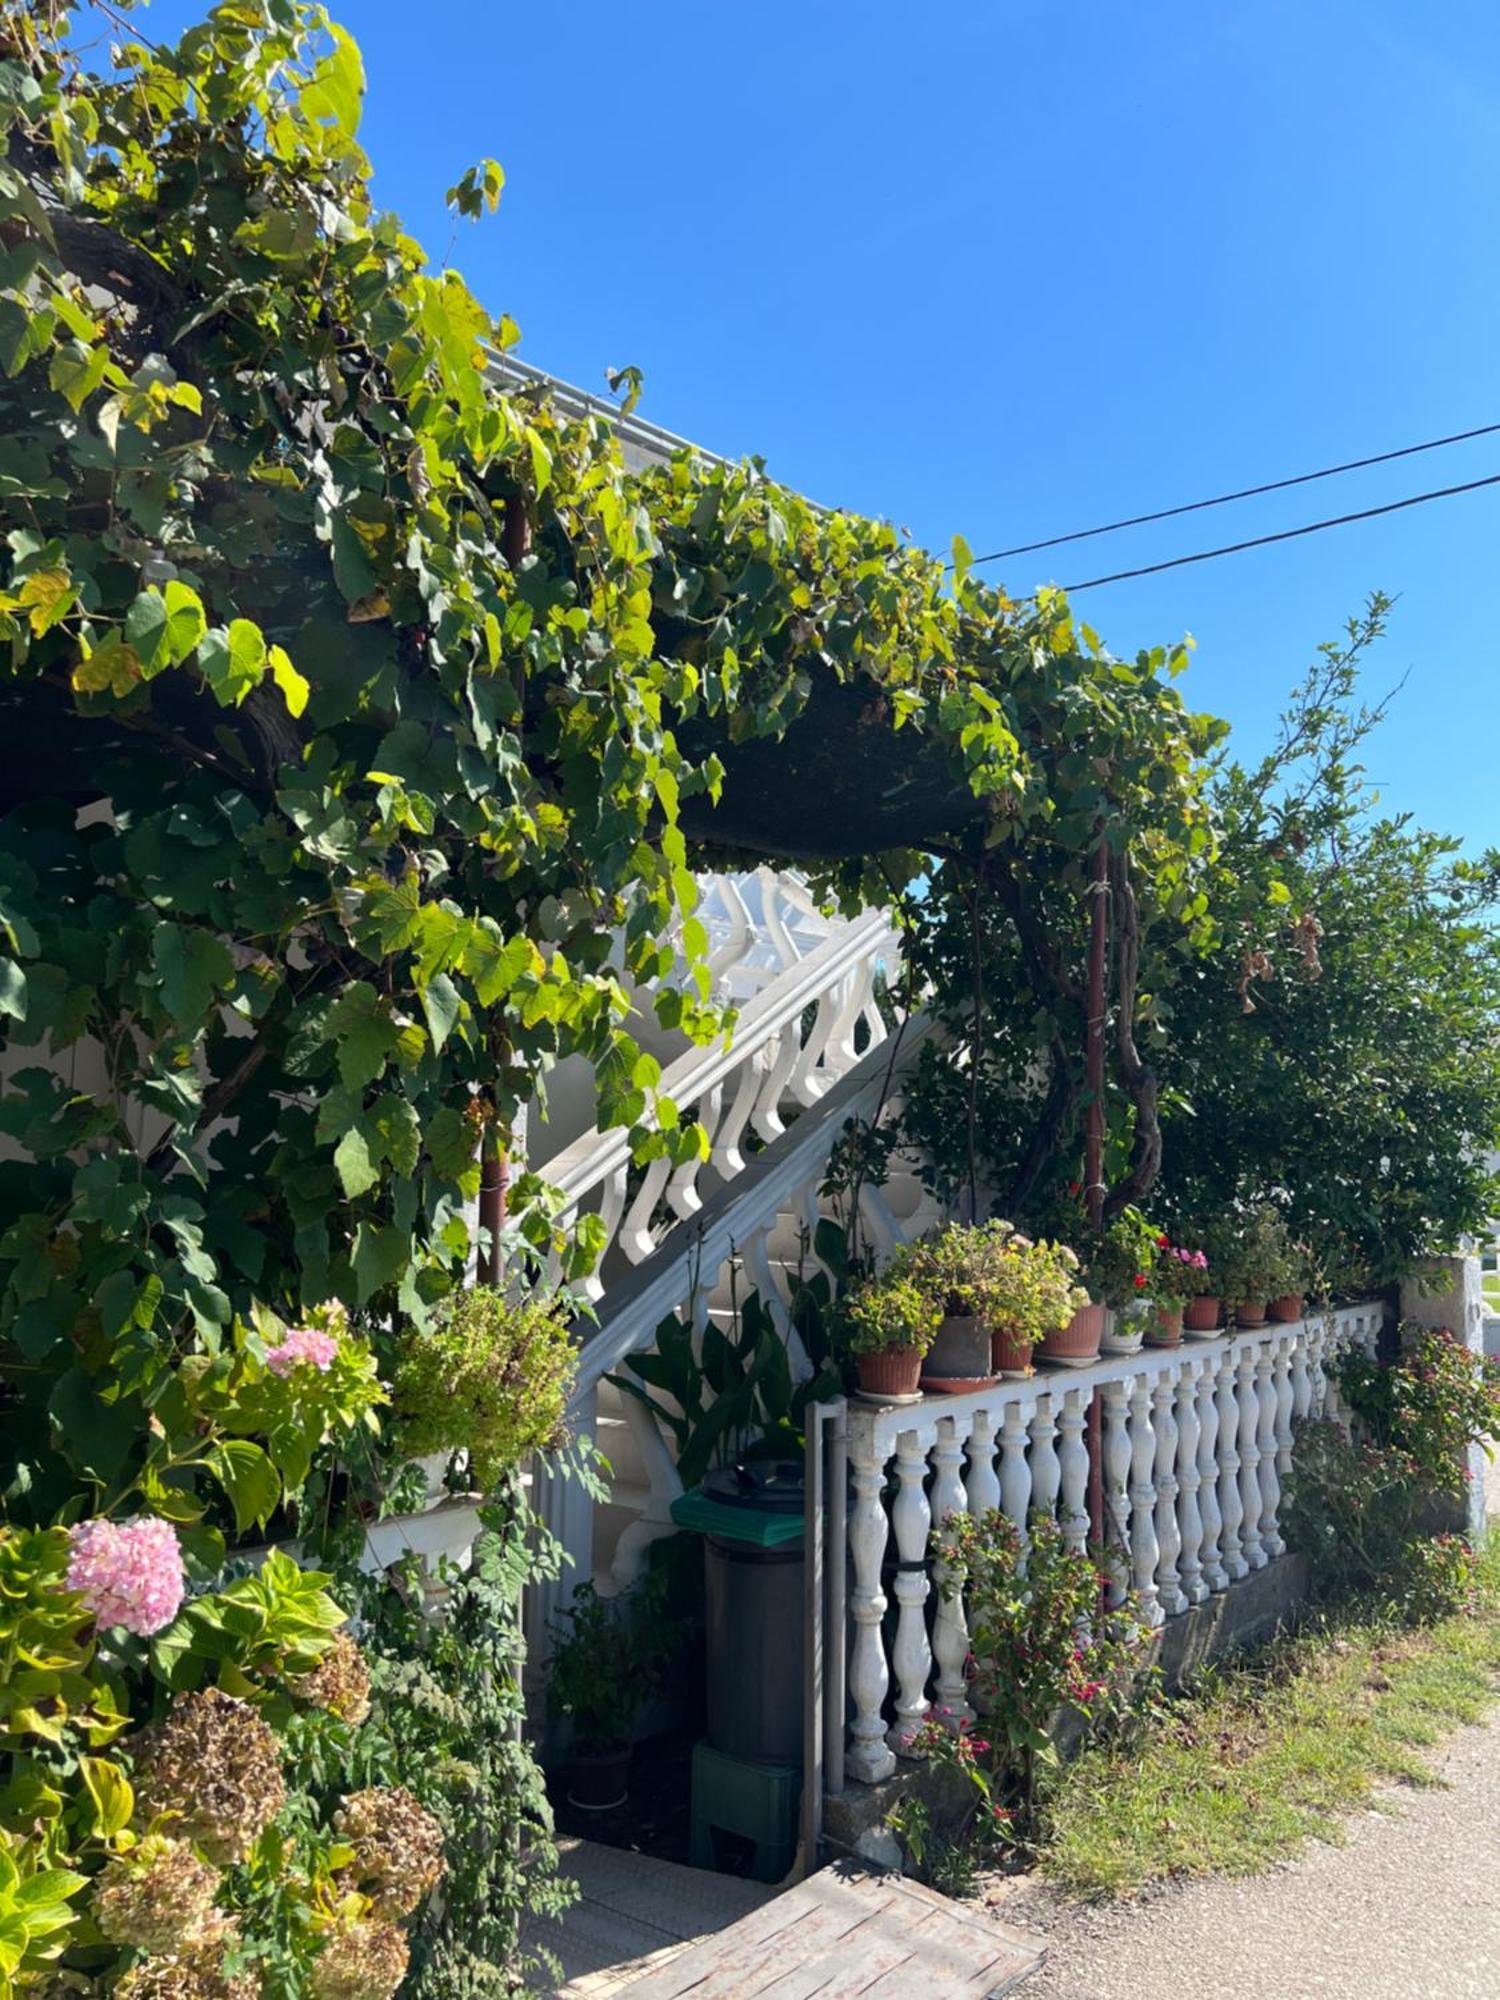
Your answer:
<point x="811" y="1051"/>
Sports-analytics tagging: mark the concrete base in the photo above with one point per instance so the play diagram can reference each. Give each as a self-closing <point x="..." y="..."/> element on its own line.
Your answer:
<point x="1246" y="1614"/>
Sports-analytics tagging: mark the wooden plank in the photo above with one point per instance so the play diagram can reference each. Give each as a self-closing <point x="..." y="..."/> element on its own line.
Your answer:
<point x="850" y="1934"/>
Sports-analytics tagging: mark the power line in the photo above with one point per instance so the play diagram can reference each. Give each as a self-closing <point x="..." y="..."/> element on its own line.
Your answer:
<point x="1286" y="534"/>
<point x="1244" y="493"/>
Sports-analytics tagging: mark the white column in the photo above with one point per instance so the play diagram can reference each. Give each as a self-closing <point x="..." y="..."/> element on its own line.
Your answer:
<point x="1143" y="1549"/>
<point x="1249" y="1408"/>
<point x="1286" y="1402"/>
<point x="1046" y="1472"/>
<point x="982" y="1483"/>
<point x="1302" y="1387"/>
<point x="1073" y="1456"/>
<point x="1115" y="1451"/>
<point x="911" y="1655"/>
<point x="950" y="1629"/>
<point x="1231" y="1510"/>
<point x="1168" y="1539"/>
<point x="1266" y="1445"/>
<point x="1189" y="1513"/>
<point x="869" y="1757"/>
<point x="1208" y="1474"/>
<point x="1015" y="1474"/>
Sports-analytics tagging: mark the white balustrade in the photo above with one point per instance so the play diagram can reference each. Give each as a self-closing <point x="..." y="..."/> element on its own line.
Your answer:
<point x="1193" y="1444"/>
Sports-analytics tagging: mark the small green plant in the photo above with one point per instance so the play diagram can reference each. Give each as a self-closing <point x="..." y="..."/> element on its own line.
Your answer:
<point x="1432" y="1401"/>
<point x="491" y="1376"/>
<point x="1179" y="1273"/>
<point x="1036" y="1285"/>
<point x="1039" y="1640"/>
<point x="1119" y="1261"/>
<point x="1255" y="1260"/>
<point x="609" y="1660"/>
<point x="958" y="1267"/>
<point x="891" y="1313"/>
<point x="951" y="1848"/>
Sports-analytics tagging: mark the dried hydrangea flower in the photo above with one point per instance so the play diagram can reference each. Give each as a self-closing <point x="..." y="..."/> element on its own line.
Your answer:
<point x="157" y="1897"/>
<point x="214" y="1764"/>
<point x="398" y="1847"/>
<point x="127" y="1572"/>
<point x="340" y="1682"/>
<point x="195" y="1971"/>
<point x="365" y="1961"/>
<point x="302" y="1346"/>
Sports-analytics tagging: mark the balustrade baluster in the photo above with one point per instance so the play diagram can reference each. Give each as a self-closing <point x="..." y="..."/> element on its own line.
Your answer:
<point x="981" y="1482"/>
<point x="911" y="1655"/>
<point x="781" y="1059"/>
<point x="1231" y="1509"/>
<point x="1250" y="1494"/>
<point x="1143" y="1548"/>
<point x="1266" y="1445"/>
<point x="684" y="1196"/>
<point x="1168" y="1540"/>
<point x="1189" y="1511"/>
<point x="1286" y="1402"/>
<point x="950" y="1627"/>
<point x="726" y="1157"/>
<point x="638" y="1233"/>
<point x="1116" y="1454"/>
<point x="1046" y="1472"/>
<point x="1015" y="1473"/>
<point x="869" y="1757"/>
<point x="1209" y="1557"/>
<point x="1073" y="1457"/>
<point x="1302" y="1386"/>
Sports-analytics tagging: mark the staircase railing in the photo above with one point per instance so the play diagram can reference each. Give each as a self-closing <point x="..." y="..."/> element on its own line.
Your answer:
<point x="734" y="1088"/>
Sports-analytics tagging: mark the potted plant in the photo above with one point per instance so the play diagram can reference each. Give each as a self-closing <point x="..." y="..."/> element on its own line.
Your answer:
<point x="606" y="1664"/>
<point x="489" y="1376"/>
<point x="1073" y="1342"/>
<point x="1292" y="1303"/>
<point x="888" y="1326"/>
<point x="956" y="1269"/>
<point x="1036" y="1290"/>
<point x="1118" y="1262"/>
<point x="1256" y="1263"/>
<point x="1176" y="1290"/>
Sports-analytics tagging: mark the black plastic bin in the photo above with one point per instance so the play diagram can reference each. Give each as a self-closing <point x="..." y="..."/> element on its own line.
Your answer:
<point x="751" y="1516"/>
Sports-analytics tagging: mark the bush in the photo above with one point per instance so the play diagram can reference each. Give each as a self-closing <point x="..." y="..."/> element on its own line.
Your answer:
<point x="491" y="1377"/>
<point x="608" y="1662"/>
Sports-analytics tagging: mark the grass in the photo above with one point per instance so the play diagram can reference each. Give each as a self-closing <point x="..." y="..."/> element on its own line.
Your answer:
<point x="1271" y="1752"/>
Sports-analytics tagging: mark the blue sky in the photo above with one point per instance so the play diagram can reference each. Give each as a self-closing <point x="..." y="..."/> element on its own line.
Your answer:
<point x="1012" y="267"/>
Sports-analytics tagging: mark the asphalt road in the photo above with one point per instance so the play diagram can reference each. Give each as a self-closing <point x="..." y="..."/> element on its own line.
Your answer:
<point x="1407" y="1909"/>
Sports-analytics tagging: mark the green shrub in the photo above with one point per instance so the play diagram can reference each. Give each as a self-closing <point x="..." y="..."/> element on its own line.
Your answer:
<point x="490" y="1377"/>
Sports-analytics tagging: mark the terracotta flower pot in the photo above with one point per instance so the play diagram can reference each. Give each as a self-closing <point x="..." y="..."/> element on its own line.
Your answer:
<point x="1289" y="1306"/>
<point x="1250" y="1315"/>
<point x="1078" y="1341"/>
<point x="1201" y="1314"/>
<point x="1164" y="1329"/>
<point x="599" y="1782"/>
<point x="894" y="1371"/>
<point x="1008" y="1355"/>
<point x="959" y="1358"/>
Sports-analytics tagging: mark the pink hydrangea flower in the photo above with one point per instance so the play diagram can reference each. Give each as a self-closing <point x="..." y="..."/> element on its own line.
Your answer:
<point x="128" y="1572"/>
<point x="303" y="1343"/>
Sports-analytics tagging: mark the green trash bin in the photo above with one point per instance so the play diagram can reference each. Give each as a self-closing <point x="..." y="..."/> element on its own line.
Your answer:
<point x="751" y="1516"/>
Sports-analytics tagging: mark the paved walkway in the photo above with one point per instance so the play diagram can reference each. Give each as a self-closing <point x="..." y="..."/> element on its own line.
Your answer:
<point x="1407" y="1909"/>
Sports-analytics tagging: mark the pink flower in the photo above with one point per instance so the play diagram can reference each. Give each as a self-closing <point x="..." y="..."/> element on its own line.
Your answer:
<point x="128" y="1573"/>
<point x="303" y="1343"/>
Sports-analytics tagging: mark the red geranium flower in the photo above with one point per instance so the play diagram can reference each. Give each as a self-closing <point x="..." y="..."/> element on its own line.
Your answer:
<point x="1139" y="1281"/>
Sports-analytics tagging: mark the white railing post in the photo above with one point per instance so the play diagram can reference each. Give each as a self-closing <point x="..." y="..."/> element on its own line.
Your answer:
<point x="1015" y="1474"/>
<point x="950" y="1631"/>
<point x="1073" y="1455"/>
<point x="1046" y="1472"/>
<point x="869" y="1757"/>
<point x="1168" y="1539"/>
<point x="1210" y="1561"/>
<point x="1116" y="1453"/>
<point x="981" y="1483"/>
<point x="911" y="1655"/>
<point x="1249" y="1419"/>
<point x="1266" y="1443"/>
<point x="1143" y="1548"/>
<point x="1231" y="1509"/>
<point x="1189" y="1479"/>
<point x="1301" y="1373"/>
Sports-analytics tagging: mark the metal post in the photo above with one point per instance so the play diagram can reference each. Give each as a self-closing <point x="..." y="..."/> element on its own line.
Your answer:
<point x="835" y="1649"/>
<point x="812" y="1641"/>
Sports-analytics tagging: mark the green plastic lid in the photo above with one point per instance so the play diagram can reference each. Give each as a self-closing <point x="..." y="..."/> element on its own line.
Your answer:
<point x="757" y="1503"/>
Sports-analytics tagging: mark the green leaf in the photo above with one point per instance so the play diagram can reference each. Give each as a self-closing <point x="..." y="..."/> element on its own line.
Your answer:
<point x="440" y="1003"/>
<point x="12" y="990"/>
<point x="194" y="967"/>
<point x="163" y="626"/>
<point x="357" y="1172"/>
<point x="233" y="660"/>
<point x="110" y="1794"/>
<point x="294" y="689"/>
<point x="248" y="1478"/>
